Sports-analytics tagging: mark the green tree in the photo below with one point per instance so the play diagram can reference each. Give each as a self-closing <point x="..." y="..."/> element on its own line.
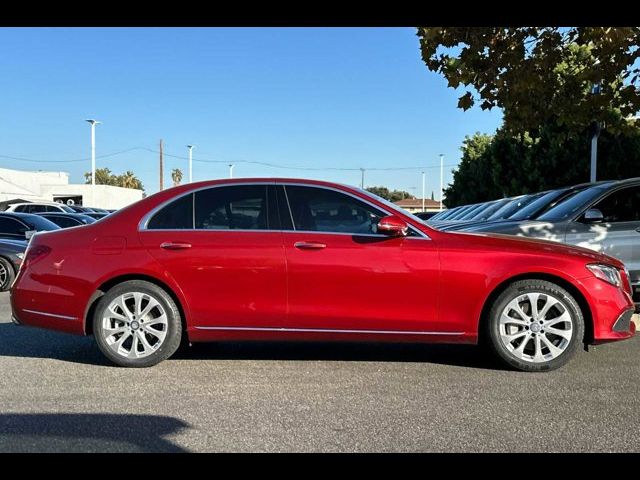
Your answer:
<point x="129" y="180"/>
<point x="176" y="176"/>
<point x="505" y="165"/>
<point x="540" y="75"/>
<point x="391" y="195"/>
<point x="104" y="176"/>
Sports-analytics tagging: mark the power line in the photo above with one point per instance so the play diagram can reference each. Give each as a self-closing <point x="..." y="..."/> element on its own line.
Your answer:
<point x="298" y="167"/>
<point x="250" y="162"/>
<point x="86" y="159"/>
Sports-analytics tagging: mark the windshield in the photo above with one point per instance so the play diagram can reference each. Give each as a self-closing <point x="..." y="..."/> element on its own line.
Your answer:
<point x="514" y="206"/>
<point x="568" y="208"/>
<point x="494" y="207"/>
<point x="391" y="205"/>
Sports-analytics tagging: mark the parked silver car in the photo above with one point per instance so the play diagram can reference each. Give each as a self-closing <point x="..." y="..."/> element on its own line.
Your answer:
<point x="604" y="217"/>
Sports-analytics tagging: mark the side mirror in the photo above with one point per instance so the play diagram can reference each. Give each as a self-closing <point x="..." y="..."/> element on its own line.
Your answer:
<point x="593" y="215"/>
<point x="393" y="226"/>
<point x="29" y="233"/>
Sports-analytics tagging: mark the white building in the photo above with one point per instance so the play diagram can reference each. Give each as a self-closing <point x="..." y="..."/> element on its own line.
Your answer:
<point x="54" y="186"/>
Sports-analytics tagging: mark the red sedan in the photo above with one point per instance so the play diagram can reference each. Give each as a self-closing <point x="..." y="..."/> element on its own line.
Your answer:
<point x="282" y="259"/>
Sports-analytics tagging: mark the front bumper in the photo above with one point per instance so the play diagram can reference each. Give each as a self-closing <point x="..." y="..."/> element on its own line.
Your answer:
<point x="611" y="311"/>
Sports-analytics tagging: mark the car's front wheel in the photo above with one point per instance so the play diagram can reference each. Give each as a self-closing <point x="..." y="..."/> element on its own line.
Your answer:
<point x="535" y="325"/>
<point x="137" y="324"/>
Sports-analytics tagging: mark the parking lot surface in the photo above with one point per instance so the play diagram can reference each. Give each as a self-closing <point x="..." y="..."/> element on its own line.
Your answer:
<point x="58" y="394"/>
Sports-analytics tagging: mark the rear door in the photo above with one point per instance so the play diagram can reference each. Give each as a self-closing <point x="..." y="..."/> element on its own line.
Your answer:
<point x="221" y="246"/>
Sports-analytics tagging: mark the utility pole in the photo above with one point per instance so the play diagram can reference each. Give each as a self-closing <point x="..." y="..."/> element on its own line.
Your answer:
<point x="362" y="179"/>
<point x="93" y="124"/>
<point x="441" y="179"/>
<point x="595" y="132"/>
<point x="423" y="194"/>
<point x="231" y="170"/>
<point x="190" y="147"/>
<point x="161" y="166"/>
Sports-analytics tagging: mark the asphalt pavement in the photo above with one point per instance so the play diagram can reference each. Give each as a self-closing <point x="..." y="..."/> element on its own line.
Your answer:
<point x="57" y="393"/>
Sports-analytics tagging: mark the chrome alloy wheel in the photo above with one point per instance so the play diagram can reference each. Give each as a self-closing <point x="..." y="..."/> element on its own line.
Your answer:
<point x="3" y="275"/>
<point x="536" y="327"/>
<point x="134" y="325"/>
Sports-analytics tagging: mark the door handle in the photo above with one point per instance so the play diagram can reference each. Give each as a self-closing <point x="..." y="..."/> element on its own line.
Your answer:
<point x="175" y="245"/>
<point x="309" y="245"/>
<point x="638" y="229"/>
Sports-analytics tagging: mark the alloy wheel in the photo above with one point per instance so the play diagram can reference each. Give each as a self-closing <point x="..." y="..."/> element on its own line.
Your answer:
<point x="536" y="327"/>
<point x="134" y="325"/>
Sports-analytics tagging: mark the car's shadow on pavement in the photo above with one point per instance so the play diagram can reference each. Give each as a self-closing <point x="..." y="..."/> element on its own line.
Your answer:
<point x="87" y="432"/>
<point x="29" y="342"/>
<point x="455" y="355"/>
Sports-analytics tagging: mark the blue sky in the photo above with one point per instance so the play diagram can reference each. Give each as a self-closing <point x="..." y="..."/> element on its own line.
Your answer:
<point x="308" y="97"/>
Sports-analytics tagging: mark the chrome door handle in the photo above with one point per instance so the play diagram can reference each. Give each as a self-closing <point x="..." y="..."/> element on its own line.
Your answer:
<point x="309" y="245"/>
<point x="638" y="229"/>
<point x="175" y="245"/>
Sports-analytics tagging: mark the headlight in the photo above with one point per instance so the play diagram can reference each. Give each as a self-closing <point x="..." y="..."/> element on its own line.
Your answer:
<point x="607" y="273"/>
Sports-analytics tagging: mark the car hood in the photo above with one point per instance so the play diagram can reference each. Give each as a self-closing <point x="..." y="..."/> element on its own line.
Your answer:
<point x="512" y="242"/>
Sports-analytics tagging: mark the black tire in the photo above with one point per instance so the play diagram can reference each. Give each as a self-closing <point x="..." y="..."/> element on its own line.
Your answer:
<point x="10" y="274"/>
<point x="492" y="335"/>
<point x="173" y="335"/>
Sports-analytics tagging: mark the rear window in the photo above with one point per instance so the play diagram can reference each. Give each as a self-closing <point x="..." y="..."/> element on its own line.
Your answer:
<point x="178" y="215"/>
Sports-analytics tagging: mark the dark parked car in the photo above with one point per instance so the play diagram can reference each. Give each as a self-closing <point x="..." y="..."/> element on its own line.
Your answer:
<point x="67" y="220"/>
<point x="425" y="215"/>
<point x="96" y="215"/>
<point x="11" y="256"/>
<point x="22" y="226"/>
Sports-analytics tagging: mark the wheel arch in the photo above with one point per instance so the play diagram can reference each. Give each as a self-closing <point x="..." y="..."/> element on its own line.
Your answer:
<point x="560" y="281"/>
<point x="108" y="284"/>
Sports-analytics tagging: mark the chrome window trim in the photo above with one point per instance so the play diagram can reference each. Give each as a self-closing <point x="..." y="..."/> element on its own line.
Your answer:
<point x="142" y="225"/>
<point x="329" y="330"/>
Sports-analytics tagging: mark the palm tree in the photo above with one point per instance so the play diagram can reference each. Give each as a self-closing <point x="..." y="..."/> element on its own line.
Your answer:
<point x="176" y="176"/>
<point x="128" y="180"/>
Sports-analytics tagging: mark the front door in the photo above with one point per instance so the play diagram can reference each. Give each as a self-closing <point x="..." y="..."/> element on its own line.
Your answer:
<point x="343" y="275"/>
<point x="219" y="246"/>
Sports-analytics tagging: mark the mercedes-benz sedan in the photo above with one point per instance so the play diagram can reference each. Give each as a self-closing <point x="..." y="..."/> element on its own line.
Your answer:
<point x="282" y="259"/>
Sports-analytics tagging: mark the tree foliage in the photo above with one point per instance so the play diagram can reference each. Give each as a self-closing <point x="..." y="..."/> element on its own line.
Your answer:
<point x="391" y="195"/>
<point x="504" y="164"/>
<point x="176" y="176"/>
<point x="104" y="176"/>
<point x="540" y="75"/>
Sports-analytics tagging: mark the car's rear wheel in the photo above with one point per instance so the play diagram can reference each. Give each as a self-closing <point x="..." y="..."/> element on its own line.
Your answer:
<point x="137" y="324"/>
<point x="7" y="274"/>
<point x="535" y="325"/>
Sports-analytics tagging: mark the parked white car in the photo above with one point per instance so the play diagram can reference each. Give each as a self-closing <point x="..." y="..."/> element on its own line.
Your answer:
<point x="38" y="207"/>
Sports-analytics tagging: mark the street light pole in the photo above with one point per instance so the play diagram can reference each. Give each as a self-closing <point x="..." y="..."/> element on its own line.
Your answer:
<point x="190" y="147"/>
<point x="230" y="170"/>
<point x="441" y="179"/>
<point x="93" y="124"/>
<point x="362" y="179"/>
